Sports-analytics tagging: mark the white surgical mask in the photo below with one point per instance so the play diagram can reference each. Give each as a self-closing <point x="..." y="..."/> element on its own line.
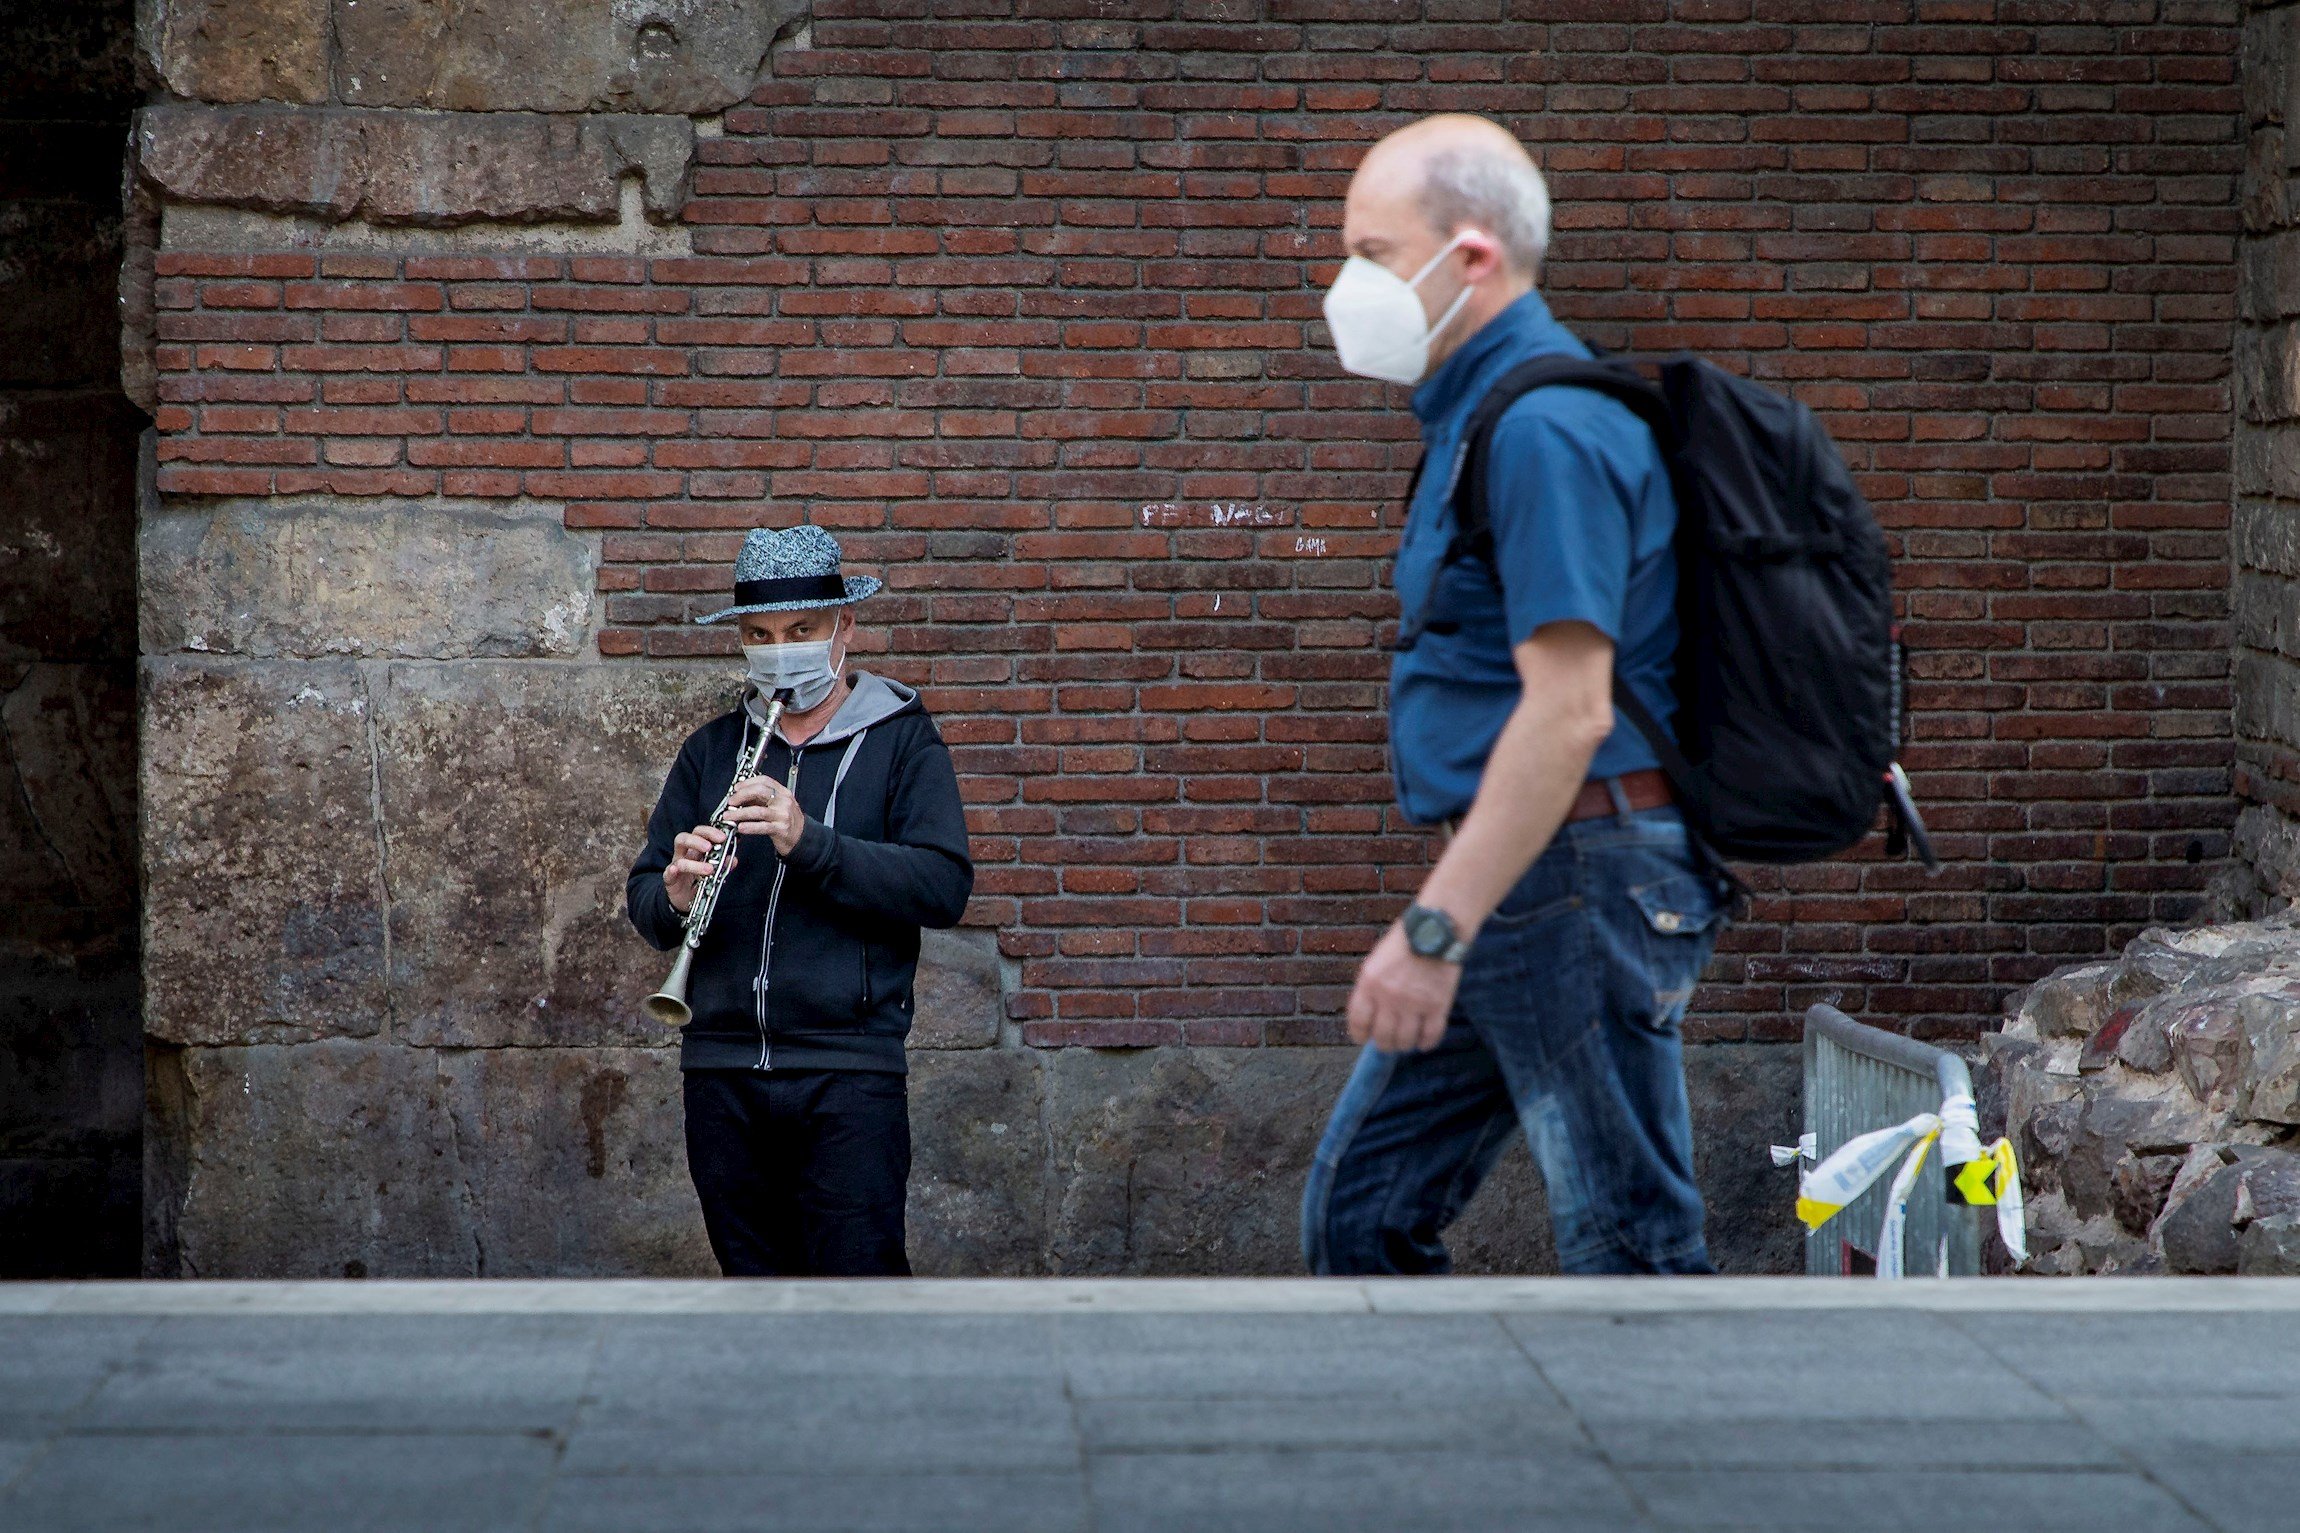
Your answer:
<point x="806" y="671"/>
<point x="1378" y="324"/>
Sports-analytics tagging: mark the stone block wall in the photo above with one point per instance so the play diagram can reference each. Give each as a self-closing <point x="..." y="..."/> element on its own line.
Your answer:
<point x="2266" y="543"/>
<point x="475" y="343"/>
<point x="70" y="1055"/>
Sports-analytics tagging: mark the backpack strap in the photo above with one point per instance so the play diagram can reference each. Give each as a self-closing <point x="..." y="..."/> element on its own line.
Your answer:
<point x="1473" y="523"/>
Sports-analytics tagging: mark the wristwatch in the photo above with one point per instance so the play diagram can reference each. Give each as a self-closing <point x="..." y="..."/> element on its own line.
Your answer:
<point x="1431" y="934"/>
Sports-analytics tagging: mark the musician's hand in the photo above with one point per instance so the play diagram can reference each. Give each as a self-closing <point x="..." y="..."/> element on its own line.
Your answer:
<point x="691" y="864"/>
<point x="764" y="807"/>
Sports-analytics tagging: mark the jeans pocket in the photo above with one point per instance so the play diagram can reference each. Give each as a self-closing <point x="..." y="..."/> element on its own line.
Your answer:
<point x="1677" y="918"/>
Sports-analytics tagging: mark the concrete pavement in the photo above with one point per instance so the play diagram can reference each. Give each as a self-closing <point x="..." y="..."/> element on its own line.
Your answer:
<point x="1476" y="1404"/>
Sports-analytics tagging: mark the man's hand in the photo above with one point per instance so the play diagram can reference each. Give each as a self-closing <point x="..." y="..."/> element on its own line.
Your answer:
<point x="764" y="807"/>
<point x="1402" y="1000"/>
<point x="691" y="864"/>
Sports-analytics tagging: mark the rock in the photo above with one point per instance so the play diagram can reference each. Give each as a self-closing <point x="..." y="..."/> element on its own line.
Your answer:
<point x="553" y="769"/>
<point x="2199" y="1233"/>
<point x="2043" y="1142"/>
<point x="2270" y="1247"/>
<point x="2144" y="1045"/>
<point x="260" y="842"/>
<point x="961" y="992"/>
<point x="1184" y="1160"/>
<point x="689" y="56"/>
<point x="2073" y="1002"/>
<point x="572" y="1162"/>
<point x="238" y="50"/>
<point x="68" y="479"/>
<point x="2207" y="1048"/>
<point x="980" y="1180"/>
<point x="423" y="168"/>
<point x="2112" y="1124"/>
<point x="68" y="865"/>
<point x="2105" y="1045"/>
<point x="2269" y="1058"/>
<point x="2137" y="1188"/>
<point x="431" y="579"/>
<point x="330" y="1159"/>
<point x="2154" y="962"/>
<point x="2195" y="1234"/>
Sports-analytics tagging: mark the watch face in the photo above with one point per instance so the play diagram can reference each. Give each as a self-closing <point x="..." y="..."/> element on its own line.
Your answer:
<point x="1426" y="932"/>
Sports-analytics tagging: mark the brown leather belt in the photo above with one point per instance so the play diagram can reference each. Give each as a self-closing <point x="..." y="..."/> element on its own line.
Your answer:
<point x="1647" y="789"/>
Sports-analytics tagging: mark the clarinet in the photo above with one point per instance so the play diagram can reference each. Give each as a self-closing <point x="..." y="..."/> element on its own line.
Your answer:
<point x="669" y="1004"/>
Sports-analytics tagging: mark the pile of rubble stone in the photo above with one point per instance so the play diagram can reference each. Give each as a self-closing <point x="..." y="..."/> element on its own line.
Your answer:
<point x="2154" y="1101"/>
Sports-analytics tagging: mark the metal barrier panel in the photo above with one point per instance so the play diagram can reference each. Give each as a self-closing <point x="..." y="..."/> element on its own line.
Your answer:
<point x="1859" y="1078"/>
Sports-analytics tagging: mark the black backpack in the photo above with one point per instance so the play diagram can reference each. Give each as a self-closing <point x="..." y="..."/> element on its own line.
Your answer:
<point x="1788" y="675"/>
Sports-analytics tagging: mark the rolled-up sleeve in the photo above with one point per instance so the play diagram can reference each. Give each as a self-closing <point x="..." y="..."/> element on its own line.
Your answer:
<point x="1562" y="480"/>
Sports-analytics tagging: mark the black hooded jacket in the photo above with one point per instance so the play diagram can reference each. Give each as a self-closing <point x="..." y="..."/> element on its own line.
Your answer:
<point x="809" y="960"/>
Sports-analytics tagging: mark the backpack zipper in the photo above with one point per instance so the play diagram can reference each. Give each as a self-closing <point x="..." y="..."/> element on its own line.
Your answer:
<point x="767" y="937"/>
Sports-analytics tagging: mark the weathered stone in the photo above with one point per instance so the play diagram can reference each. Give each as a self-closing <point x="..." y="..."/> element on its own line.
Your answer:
<point x="68" y="481"/>
<point x="263" y="887"/>
<point x="2199" y="1231"/>
<point x="2195" y="1233"/>
<point x="2100" y="1050"/>
<point x="2113" y="1123"/>
<point x="960" y="998"/>
<point x="2270" y="1247"/>
<point x="57" y="323"/>
<point x="980" y="1180"/>
<point x="2268" y="1059"/>
<point x="514" y="796"/>
<point x="2137" y="1188"/>
<point x="2044" y="1141"/>
<point x="330" y="1159"/>
<point x="386" y="578"/>
<point x="1184" y="1160"/>
<point x="2154" y="962"/>
<point x="2267" y="375"/>
<point x="68" y="864"/>
<point x="691" y="56"/>
<point x="238" y="50"/>
<point x="414" y="168"/>
<point x="2207" y="1045"/>
<point x="2072" y="1003"/>
<point x="2269" y="846"/>
<point x="572" y="1163"/>
<point x="2145" y="1046"/>
<point x="2265" y="65"/>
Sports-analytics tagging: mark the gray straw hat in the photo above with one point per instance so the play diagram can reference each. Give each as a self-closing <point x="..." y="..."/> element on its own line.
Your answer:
<point x="785" y="571"/>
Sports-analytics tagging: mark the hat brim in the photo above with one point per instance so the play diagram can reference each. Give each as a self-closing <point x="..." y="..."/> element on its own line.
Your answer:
<point x="859" y="587"/>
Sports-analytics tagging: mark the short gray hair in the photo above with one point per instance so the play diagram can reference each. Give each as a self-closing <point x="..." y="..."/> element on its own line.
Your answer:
<point x="1502" y="194"/>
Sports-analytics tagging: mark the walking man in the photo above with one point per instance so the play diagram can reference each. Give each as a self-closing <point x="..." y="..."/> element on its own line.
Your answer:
<point x="849" y="840"/>
<point x="1539" y="980"/>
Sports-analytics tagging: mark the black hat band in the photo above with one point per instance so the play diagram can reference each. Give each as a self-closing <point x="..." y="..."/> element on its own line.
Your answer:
<point x="753" y="593"/>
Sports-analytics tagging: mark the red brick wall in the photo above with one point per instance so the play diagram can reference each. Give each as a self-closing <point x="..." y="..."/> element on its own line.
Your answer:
<point x="1022" y="303"/>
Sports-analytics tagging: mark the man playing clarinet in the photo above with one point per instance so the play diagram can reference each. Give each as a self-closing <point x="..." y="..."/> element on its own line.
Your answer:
<point x="849" y="839"/>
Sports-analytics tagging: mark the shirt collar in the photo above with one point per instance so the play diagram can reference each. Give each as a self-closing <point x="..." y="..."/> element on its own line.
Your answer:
<point x="1526" y="326"/>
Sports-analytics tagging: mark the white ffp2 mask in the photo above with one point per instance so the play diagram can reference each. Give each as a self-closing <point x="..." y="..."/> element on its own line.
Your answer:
<point x="806" y="671"/>
<point x="1379" y="328"/>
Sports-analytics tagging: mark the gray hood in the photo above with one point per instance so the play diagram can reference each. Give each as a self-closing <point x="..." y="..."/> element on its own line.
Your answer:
<point x="871" y="699"/>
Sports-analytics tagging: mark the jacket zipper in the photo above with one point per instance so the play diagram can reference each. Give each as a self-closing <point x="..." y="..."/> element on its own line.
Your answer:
<point x="767" y="937"/>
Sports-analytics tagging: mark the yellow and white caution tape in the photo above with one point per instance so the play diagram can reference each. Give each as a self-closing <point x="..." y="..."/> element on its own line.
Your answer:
<point x="1976" y="1175"/>
<point x="1994" y="1177"/>
<point x="1859" y="1161"/>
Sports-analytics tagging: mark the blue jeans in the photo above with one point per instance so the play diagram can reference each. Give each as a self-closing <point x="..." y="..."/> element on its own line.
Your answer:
<point x="1566" y="1025"/>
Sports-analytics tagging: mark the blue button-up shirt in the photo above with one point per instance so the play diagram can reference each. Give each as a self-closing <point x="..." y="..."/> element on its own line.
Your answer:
<point x="1582" y="520"/>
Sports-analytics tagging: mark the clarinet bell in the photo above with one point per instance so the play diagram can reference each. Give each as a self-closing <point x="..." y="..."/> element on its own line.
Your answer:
<point x="669" y="1004"/>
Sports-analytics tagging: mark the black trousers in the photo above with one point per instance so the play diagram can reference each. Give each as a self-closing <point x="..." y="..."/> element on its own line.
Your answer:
<point x="801" y="1172"/>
